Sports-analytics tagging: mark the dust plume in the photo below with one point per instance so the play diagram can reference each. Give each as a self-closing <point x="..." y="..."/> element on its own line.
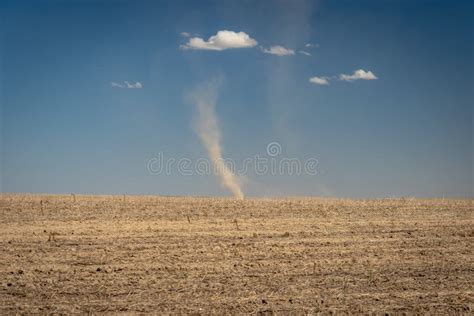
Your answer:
<point x="207" y="128"/>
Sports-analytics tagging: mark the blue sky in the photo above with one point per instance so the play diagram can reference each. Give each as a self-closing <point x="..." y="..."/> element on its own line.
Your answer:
<point x="92" y="90"/>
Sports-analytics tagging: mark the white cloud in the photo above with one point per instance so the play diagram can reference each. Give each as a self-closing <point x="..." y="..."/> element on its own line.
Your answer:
<point x="185" y="34"/>
<point x="359" y="74"/>
<point x="136" y="85"/>
<point x="278" y="50"/>
<point x="304" y="53"/>
<point x="116" y="85"/>
<point x="126" y="84"/>
<point x="319" y="80"/>
<point x="311" y="45"/>
<point x="222" y="40"/>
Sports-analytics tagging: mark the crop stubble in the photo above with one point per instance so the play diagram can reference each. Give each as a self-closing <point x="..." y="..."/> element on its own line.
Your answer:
<point x="75" y="253"/>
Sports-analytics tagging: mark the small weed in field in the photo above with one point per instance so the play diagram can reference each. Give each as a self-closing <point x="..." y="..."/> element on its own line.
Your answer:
<point x="52" y="236"/>
<point x="236" y="224"/>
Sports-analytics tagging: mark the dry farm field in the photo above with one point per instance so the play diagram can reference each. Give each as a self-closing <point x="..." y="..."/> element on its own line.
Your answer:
<point x="94" y="254"/>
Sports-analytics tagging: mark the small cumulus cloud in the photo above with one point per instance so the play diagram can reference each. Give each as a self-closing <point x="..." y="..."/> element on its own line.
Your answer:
<point x="278" y="50"/>
<point x="319" y="80"/>
<point x="185" y="34"/>
<point x="127" y="85"/>
<point x="221" y="41"/>
<point x="359" y="74"/>
<point x="117" y="85"/>
<point x="309" y="45"/>
<point x="304" y="53"/>
<point x="136" y="85"/>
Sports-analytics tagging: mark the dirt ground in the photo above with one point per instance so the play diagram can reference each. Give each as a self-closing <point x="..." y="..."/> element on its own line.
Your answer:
<point x="94" y="254"/>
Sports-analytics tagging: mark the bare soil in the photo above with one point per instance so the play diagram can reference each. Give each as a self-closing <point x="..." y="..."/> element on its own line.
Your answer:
<point x="108" y="254"/>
